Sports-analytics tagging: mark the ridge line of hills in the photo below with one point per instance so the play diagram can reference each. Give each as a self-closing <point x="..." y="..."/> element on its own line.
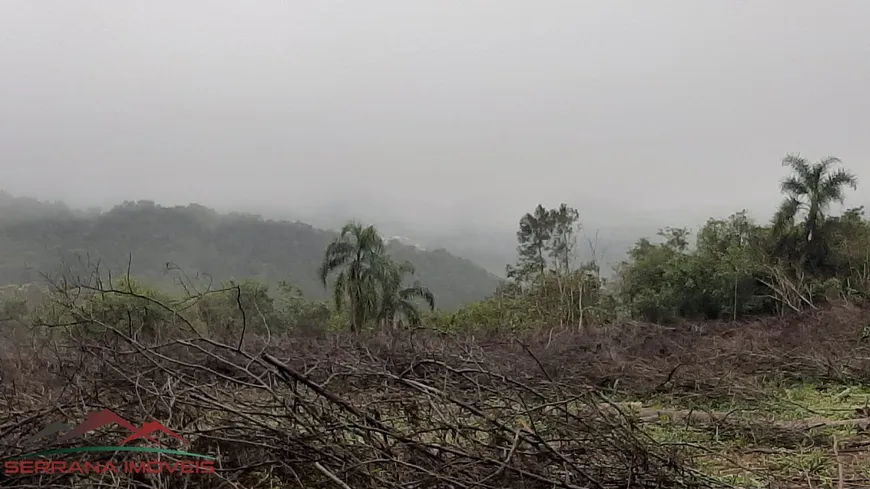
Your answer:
<point x="35" y="236"/>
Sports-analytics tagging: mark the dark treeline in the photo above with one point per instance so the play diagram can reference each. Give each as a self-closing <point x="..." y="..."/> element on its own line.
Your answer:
<point x="35" y="237"/>
<point x="734" y="267"/>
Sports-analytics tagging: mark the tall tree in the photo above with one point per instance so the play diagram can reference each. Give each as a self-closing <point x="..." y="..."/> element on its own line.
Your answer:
<point x="399" y="302"/>
<point x="533" y="236"/>
<point x="564" y="223"/>
<point x="810" y="190"/>
<point x="358" y="254"/>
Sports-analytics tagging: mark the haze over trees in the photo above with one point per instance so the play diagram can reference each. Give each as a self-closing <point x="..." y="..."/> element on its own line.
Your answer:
<point x="733" y="267"/>
<point x="35" y="237"/>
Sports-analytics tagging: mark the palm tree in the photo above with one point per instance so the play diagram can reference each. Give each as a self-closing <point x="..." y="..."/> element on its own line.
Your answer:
<point x="811" y="189"/>
<point x="398" y="301"/>
<point x="358" y="253"/>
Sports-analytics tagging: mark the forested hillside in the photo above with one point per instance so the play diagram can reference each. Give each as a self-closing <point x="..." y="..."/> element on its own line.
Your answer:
<point x="37" y="237"/>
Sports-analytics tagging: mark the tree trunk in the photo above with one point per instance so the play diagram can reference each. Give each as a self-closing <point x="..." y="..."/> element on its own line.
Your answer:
<point x="735" y="298"/>
<point x="355" y="312"/>
<point x="580" y="304"/>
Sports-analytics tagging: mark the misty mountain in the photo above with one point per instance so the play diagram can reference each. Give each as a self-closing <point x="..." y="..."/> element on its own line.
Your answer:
<point x="35" y="237"/>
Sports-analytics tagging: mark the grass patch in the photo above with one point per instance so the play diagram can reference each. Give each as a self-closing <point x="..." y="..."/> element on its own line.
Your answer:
<point x="770" y="436"/>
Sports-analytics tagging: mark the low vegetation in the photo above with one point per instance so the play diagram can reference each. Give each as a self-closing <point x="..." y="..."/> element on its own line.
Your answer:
<point x="738" y="359"/>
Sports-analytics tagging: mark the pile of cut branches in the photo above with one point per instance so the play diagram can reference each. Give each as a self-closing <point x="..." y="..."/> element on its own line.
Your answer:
<point x="406" y="411"/>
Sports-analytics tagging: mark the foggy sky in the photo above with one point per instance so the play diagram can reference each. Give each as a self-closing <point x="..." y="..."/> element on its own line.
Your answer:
<point x="451" y="112"/>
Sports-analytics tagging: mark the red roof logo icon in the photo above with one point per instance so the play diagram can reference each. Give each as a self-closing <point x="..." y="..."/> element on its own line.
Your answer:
<point x="106" y="417"/>
<point x="151" y="427"/>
